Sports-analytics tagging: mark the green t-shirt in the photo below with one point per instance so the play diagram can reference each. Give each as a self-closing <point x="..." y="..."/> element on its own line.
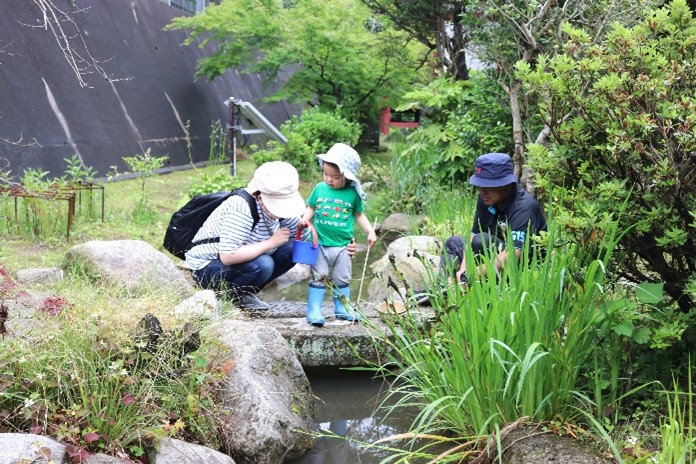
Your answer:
<point x="334" y="213"/>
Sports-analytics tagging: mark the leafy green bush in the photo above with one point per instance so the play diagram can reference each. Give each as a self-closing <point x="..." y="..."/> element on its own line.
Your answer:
<point x="76" y="171"/>
<point x="622" y="121"/>
<point x="463" y="119"/>
<point x="402" y="185"/>
<point x="313" y="133"/>
<point x="219" y="181"/>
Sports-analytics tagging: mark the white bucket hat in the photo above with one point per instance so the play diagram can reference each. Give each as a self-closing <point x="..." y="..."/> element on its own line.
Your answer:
<point x="278" y="183"/>
<point x="348" y="162"/>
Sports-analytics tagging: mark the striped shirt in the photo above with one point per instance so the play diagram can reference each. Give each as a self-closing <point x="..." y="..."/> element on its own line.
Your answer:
<point x="232" y="222"/>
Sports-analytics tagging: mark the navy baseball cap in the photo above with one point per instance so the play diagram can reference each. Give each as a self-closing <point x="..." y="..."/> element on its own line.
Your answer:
<point x="493" y="170"/>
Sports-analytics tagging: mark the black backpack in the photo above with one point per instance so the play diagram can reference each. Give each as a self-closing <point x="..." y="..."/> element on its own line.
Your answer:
<point x="185" y="223"/>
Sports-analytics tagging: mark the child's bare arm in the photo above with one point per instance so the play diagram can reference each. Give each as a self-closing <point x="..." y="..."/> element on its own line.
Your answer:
<point x="365" y="225"/>
<point x="307" y="216"/>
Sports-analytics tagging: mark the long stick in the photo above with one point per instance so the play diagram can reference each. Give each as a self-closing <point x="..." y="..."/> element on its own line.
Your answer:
<point x="362" y="278"/>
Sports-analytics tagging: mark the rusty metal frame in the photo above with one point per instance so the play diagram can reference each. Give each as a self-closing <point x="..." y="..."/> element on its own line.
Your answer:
<point x="69" y="192"/>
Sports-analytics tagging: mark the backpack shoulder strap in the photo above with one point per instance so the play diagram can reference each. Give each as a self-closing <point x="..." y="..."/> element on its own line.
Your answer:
<point x="251" y="201"/>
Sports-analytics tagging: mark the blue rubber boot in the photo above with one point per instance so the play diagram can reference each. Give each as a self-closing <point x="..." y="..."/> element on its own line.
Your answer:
<point x="342" y="307"/>
<point x="315" y="297"/>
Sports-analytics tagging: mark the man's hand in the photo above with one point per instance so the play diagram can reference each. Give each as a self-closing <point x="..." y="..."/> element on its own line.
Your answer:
<point x="280" y="237"/>
<point x="461" y="277"/>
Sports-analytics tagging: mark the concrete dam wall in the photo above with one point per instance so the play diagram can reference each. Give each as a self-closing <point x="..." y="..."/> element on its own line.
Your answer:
<point x="137" y="90"/>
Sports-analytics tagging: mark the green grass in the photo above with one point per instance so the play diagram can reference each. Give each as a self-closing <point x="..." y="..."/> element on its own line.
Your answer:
<point x="84" y="379"/>
<point x="123" y="220"/>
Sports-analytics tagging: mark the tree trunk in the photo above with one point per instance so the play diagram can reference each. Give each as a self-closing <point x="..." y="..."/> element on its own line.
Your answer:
<point x="457" y="46"/>
<point x="517" y="135"/>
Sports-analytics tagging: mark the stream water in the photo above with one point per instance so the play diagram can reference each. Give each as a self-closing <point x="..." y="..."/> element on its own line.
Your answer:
<point x="361" y="277"/>
<point x="347" y="401"/>
<point x="347" y="405"/>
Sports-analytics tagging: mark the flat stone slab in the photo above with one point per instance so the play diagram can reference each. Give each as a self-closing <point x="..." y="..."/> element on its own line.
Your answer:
<point x="338" y="343"/>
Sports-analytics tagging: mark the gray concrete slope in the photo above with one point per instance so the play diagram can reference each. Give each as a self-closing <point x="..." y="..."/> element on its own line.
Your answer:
<point x="46" y="116"/>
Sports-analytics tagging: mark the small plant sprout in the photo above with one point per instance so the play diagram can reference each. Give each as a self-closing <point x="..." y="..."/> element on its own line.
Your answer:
<point x="144" y="165"/>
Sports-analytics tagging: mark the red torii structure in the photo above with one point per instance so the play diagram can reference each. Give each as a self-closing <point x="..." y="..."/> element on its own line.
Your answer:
<point x="399" y="119"/>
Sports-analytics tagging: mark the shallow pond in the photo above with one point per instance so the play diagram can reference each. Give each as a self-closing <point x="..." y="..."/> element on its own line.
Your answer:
<point x="347" y="405"/>
<point x="347" y="401"/>
<point x="360" y="280"/>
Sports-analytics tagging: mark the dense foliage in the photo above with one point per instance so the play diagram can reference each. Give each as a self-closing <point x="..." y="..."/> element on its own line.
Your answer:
<point x="511" y="348"/>
<point x="96" y="392"/>
<point x="310" y="134"/>
<point x="463" y="119"/>
<point x="621" y="115"/>
<point x="328" y="54"/>
<point x="504" y="32"/>
<point x="440" y="26"/>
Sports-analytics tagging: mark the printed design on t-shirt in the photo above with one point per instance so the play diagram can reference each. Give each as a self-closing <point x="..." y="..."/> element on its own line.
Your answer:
<point x="333" y="211"/>
<point x="519" y="235"/>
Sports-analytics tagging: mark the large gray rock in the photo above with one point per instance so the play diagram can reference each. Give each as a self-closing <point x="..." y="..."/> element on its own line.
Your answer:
<point x="399" y="224"/>
<point x="406" y="246"/>
<point x="201" y="305"/>
<point x="133" y="265"/>
<point x="26" y="316"/>
<point x="267" y="394"/>
<point x="106" y="459"/>
<point x="30" y="448"/>
<point x="173" y="451"/>
<point x="337" y="343"/>
<point x="415" y="258"/>
<point x="42" y="275"/>
<point x="532" y="445"/>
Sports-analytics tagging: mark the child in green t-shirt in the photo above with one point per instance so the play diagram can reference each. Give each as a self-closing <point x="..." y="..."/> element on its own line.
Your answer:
<point x="333" y="207"/>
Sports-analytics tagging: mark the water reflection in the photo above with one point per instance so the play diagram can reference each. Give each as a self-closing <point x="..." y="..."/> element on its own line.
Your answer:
<point x="286" y="289"/>
<point x="348" y="414"/>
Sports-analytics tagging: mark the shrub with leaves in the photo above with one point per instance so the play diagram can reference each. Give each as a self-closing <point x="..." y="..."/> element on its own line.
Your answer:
<point x="220" y="181"/>
<point x="313" y="133"/>
<point x="463" y="119"/>
<point x="621" y="115"/>
<point x="36" y="207"/>
<point x="76" y="171"/>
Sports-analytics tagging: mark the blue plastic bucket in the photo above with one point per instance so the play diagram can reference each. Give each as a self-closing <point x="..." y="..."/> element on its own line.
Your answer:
<point x="305" y="252"/>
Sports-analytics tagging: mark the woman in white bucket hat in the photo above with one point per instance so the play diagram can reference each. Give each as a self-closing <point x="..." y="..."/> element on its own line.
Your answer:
<point x="333" y="207"/>
<point x="248" y="256"/>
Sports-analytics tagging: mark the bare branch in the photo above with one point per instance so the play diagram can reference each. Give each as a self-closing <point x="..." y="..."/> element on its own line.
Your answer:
<point x="71" y="42"/>
<point x="20" y="143"/>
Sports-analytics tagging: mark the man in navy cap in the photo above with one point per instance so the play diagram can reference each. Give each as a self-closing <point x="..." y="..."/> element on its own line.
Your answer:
<point x="502" y="206"/>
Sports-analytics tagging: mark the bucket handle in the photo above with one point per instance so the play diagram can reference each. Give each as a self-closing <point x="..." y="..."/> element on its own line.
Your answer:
<point x="311" y="228"/>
